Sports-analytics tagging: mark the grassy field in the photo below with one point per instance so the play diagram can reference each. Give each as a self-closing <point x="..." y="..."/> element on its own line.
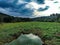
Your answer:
<point x="50" y="31"/>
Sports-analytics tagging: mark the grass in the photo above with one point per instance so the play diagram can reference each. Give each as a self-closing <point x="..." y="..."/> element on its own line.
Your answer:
<point x="48" y="29"/>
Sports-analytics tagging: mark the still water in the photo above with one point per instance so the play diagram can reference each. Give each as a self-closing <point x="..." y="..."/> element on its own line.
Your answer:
<point x="27" y="39"/>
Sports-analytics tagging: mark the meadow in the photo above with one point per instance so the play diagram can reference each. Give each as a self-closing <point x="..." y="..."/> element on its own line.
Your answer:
<point x="48" y="31"/>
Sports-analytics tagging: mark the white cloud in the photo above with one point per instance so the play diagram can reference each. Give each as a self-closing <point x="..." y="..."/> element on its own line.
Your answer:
<point x="33" y="5"/>
<point x="53" y="7"/>
<point x="21" y="2"/>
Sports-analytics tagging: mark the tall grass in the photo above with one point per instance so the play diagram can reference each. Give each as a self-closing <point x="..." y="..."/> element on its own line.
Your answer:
<point x="47" y="28"/>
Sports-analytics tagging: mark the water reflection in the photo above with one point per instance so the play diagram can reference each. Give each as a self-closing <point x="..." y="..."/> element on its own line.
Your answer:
<point x="27" y="39"/>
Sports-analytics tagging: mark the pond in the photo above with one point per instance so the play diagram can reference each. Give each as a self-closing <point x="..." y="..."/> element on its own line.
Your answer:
<point x="27" y="39"/>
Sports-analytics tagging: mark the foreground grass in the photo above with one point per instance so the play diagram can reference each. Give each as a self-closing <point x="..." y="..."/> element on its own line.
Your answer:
<point x="48" y="29"/>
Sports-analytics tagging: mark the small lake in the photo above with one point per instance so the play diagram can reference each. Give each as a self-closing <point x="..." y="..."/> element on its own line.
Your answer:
<point x="27" y="39"/>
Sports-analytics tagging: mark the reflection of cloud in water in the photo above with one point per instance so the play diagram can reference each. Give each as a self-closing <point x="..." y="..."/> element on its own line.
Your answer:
<point x="27" y="39"/>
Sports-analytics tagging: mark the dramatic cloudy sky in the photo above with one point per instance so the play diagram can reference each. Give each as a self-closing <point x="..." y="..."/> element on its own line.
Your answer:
<point x="29" y="8"/>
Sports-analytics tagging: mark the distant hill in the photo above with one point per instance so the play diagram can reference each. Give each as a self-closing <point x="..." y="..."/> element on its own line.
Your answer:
<point x="8" y="18"/>
<point x="51" y="18"/>
<point x="5" y="17"/>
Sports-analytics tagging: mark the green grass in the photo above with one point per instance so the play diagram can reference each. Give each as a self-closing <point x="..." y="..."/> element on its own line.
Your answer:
<point x="47" y="28"/>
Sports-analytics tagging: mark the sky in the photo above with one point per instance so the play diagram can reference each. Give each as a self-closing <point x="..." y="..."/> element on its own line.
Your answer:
<point x="29" y="8"/>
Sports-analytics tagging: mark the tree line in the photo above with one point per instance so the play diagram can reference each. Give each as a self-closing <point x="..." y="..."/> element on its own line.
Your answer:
<point x="51" y="18"/>
<point x="8" y="18"/>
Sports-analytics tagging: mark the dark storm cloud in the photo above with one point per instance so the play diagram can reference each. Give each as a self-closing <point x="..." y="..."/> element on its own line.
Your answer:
<point x="13" y="7"/>
<point x="28" y="0"/>
<point x="40" y="1"/>
<point x="20" y="9"/>
<point x="56" y="2"/>
<point x="5" y="5"/>
<point x="43" y="9"/>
